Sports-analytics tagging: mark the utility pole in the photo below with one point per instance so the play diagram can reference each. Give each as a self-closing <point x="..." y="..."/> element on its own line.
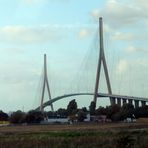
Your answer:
<point x="45" y="82"/>
<point x="101" y="61"/>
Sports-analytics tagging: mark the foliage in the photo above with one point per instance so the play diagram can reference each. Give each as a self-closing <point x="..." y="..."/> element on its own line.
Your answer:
<point x="141" y="112"/>
<point x="62" y="112"/>
<point x="50" y="114"/>
<point x="72" y="107"/>
<point x="112" y="111"/>
<point x="3" y="116"/>
<point x="125" y="140"/>
<point x="34" y="116"/>
<point x="101" y="111"/>
<point x="17" y="117"/>
<point x="74" y="139"/>
<point x="127" y="111"/>
<point x="81" y="115"/>
<point x="85" y="109"/>
<point x="92" y="108"/>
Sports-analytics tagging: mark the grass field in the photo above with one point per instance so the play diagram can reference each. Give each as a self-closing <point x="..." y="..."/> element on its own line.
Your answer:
<point x="113" y="135"/>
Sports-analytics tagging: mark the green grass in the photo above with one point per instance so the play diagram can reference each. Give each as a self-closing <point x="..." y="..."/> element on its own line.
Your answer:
<point x="76" y="139"/>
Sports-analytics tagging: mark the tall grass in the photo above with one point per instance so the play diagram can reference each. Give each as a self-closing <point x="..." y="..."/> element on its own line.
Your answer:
<point x="135" y="139"/>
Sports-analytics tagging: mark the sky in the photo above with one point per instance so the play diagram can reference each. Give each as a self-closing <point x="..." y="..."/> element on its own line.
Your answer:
<point x="66" y="30"/>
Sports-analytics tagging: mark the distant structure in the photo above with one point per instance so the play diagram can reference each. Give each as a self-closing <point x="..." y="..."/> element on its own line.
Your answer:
<point x="102" y="61"/>
<point x="45" y="82"/>
<point x="114" y="98"/>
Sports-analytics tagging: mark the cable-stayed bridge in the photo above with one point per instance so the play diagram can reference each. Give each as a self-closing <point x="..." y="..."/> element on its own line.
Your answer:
<point x="114" y="98"/>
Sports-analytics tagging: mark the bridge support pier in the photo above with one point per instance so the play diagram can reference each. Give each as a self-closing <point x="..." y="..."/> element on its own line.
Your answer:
<point x="102" y="62"/>
<point x="136" y="103"/>
<point x="45" y="82"/>
<point x="124" y="101"/>
<point x="130" y="101"/>
<point x="119" y="101"/>
<point x="143" y="103"/>
<point x="113" y="101"/>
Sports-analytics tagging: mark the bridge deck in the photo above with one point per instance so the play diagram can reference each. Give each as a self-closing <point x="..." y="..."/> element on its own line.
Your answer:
<point x="91" y="94"/>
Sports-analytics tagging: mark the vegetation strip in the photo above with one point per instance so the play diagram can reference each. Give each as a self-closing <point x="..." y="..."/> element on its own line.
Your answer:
<point x="76" y="139"/>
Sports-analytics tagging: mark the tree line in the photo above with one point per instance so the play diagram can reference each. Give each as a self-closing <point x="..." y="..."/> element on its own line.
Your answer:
<point x="115" y="113"/>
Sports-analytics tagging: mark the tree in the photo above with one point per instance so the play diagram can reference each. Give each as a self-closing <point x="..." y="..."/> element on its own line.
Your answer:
<point x="117" y="113"/>
<point x="3" y="116"/>
<point x="117" y="117"/>
<point x="72" y="107"/>
<point x="81" y="115"/>
<point x="128" y="106"/>
<point x="34" y="116"/>
<point x="51" y="114"/>
<point x="101" y="111"/>
<point x="141" y="112"/>
<point x="92" y="108"/>
<point x="85" y="109"/>
<point x="17" y="117"/>
<point x="62" y="112"/>
<point x="127" y="110"/>
<point x="112" y="110"/>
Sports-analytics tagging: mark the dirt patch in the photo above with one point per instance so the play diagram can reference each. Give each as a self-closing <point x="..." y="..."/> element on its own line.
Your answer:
<point x="75" y="127"/>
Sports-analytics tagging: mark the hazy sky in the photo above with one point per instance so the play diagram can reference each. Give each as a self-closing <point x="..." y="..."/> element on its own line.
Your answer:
<point x="65" y="30"/>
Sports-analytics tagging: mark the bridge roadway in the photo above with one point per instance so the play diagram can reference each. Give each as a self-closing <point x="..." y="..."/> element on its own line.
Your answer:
<point x="91" y="94"/>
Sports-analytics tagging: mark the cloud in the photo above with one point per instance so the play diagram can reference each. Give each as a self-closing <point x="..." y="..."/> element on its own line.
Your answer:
<point x="122" y="36"/>
<point x="95" y="14"/>
<point x="140" y="3"/>
<point x="43" y="33"/>
<point x="35" y="34"/>
<point x="122" y="13"/>
<point x="127" y="23"/>
<point x="84" y="33"/>
<point x="132" y="49"/>
<point x="122" y="67"/>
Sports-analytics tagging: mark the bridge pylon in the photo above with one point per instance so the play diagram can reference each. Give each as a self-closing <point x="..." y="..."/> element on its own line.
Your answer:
<point x="45" y="83"/>
<point x="102" y="61"/>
